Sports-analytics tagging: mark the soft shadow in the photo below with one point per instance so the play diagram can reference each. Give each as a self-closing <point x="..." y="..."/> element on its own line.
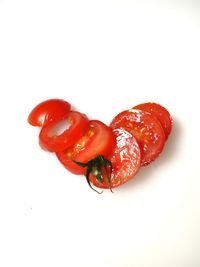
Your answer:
<point x="168" y="155"/>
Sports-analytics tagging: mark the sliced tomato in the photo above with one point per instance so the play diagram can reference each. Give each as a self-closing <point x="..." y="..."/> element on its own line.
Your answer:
<point x="49" y="111"/>
<point x="97" y="140"/>
<point x="146" y="129"/>
<point x="125" y="160"/>
<point x="160" y="113"/>
<point x="54" y="139"/>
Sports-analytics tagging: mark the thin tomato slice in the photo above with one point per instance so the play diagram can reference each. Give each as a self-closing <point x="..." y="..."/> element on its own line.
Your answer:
<point x="49" y="111"/>
<point x="51" y="139"/>
<point x="125" y="159"/>
<point x="160" y="113"/>
<point x="146" y="129"/>
<point x="97" y="140"/>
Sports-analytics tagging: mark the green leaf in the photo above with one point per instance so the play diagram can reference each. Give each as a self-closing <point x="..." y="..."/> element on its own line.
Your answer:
<point x="88" y="171"/>
<point x="81" y="164"/>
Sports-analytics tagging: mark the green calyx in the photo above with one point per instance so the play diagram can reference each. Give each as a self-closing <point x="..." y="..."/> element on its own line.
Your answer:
<point x="95" y="167"/>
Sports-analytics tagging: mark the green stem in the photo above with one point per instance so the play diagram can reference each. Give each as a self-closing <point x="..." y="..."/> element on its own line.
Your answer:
<point x="95" y="166"/>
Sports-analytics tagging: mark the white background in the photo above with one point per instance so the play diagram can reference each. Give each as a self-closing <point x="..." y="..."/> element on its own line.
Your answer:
<point x="103" y="57"/>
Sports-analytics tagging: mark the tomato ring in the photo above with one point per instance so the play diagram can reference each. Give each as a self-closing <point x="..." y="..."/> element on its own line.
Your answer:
<point x="53" y="142"/>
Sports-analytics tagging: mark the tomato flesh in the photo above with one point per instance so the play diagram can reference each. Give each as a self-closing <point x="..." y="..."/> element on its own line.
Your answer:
<point x="53" y="142"/>
<point x="125" y="159"/>
<point x="160" y="113"/>
<point x="146" y="129"/>
<point x="49" y="111"/>
<point x="97" y="140"/>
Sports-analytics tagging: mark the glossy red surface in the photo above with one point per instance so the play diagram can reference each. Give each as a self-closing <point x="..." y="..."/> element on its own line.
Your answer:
<point x="146" y="129"/>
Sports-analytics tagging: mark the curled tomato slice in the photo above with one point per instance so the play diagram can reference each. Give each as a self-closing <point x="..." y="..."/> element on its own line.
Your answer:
<point x="97" y="140"/>
<point x="147" y="130"/>
<point x="49" y="111"/>
<point x="160" y="113"/>
<point x="53" y="139"/>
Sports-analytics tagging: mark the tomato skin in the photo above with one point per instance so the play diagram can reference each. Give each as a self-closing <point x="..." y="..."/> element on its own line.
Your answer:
<point x="160" y="113"/>
<point x="146" y="129"/>
<point x="99" y="139"/>
<point x="49" y="111"/>
<point x="125" y="159"/>
<point x="79" y="123"/>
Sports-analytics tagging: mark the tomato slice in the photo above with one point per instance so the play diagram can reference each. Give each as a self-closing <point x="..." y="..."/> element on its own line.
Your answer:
<point x="75" y="126"/>
<point x="146" y="129"/>
<point x="125" y="159"/>
<point x="97" y="140"/>
<point x="49" y="111"/>
<point x="160" y="113"/>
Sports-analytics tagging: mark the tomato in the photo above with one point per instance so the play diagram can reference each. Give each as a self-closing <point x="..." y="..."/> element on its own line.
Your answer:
<point x="146" y="129"/>
<point x="49" y="111"/>
<point x="97" y="140"/>
<point x="160" y="113"/>
<point x="125" y="160"/>
<point x="54" y="140"/>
